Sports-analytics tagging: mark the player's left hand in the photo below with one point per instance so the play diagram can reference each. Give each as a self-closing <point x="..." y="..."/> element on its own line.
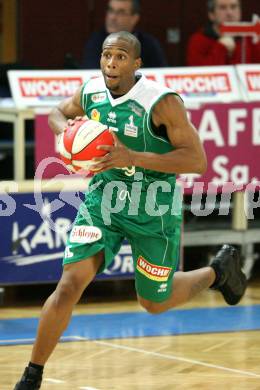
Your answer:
<point x="118" y="156"/>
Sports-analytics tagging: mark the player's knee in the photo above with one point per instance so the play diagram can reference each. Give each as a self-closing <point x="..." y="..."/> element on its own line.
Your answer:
<point x="151" y="307"/>
<point x="68" y="291"/>
<point x="64" y="292"/>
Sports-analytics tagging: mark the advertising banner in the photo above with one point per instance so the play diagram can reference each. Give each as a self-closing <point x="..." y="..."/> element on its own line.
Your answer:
<point x="45" y="88"/>
<point x="250" y="80"/>
<point x="196" y="85"/>
<point x="230" y="134"/>
<point x="199" y="84"/>
<point x="34" y="234"/>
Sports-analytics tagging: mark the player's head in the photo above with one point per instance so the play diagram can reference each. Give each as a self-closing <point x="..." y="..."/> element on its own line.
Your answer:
<point x="120" y="58"/>
<point x="220" y="11"/>
<point x="122" y="15"/>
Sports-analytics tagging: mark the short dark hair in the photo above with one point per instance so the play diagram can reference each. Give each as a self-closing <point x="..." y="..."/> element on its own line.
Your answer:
<point x="212" y="5"/>
<point x="128" y="37"/>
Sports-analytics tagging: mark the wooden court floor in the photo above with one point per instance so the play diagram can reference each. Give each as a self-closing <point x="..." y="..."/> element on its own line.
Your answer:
<point x="198" y="361"/>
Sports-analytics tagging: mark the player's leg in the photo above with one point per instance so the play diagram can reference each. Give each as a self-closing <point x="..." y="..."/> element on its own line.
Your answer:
<point x="186" y="285"/>
<point x="55" y="316"/>
<point x="57" y="310"/>
<point x="160" y="288"/>
<point x="98" y="244"/>
<point x="89" y="239"/>
<point x="224" y="274"/>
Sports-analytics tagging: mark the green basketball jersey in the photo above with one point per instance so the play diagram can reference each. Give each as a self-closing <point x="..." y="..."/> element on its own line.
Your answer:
<point x="129" y="116"/>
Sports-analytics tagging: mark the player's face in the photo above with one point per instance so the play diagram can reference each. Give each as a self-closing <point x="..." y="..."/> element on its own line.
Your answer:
<point x="119" y="16"/>
<point x="118" y="65"/>
<point x="226" y="11"/>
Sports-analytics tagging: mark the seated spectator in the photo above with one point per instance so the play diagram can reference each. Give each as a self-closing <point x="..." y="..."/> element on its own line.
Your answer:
<point x="208" y="47"/>
<point x="123" y="15"/>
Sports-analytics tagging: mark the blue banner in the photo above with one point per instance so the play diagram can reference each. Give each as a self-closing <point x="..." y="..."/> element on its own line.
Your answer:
<point x="33" y="237"/>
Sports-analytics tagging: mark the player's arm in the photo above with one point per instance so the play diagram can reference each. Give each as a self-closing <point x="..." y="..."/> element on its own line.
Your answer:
<point x="68" y="109"/>
<point x="188" y="155"/>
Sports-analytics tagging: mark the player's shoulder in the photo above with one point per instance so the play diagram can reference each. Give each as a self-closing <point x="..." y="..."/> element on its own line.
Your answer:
<point x="151" y="91"/>
<point x="169" y="108"/>
<point x="154" y="86"/>
<point x="94" y="85"/>
<point x="170" y="100"/>
<point x="148" y="92"/>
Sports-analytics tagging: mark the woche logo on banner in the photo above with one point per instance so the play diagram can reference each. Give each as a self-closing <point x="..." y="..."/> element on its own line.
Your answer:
<point x="45" y="88"/>
<point x="49" y="86"/>
<point x="199" y="83"/>
<point x="249" y="76"/>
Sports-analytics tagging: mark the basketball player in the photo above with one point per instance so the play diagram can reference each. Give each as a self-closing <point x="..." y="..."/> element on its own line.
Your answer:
<point x="154" y="141"/>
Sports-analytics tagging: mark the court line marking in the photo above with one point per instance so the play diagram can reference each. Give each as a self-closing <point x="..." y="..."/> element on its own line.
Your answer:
<point x="51" y="380"/>
<point x="177" y="358"/>
<point x="216" y="346"/>
<point x="152" y="353"/>
<point x="88" y="388"/>
<point x="99" y="353"/>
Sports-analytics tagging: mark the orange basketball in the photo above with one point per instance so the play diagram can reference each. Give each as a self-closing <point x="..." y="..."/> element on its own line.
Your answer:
<point x="79" y="144"/>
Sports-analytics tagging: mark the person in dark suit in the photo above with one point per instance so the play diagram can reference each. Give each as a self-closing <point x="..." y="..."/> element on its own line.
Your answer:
<point x="123" y="15"/>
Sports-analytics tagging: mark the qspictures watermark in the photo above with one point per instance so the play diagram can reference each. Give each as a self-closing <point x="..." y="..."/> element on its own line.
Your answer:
<point x="135" y="198"/>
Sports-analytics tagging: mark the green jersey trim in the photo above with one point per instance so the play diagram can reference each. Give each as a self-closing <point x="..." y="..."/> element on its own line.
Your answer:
<point x="149" y="114"/>
<point x="84" y="96"/>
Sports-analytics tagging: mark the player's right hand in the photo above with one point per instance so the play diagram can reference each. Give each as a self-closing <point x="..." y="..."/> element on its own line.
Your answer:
<point x="71" y="122"/>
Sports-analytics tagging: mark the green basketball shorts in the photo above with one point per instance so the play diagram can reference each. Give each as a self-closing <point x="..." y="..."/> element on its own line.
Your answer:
<point x="111" y="213"/>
